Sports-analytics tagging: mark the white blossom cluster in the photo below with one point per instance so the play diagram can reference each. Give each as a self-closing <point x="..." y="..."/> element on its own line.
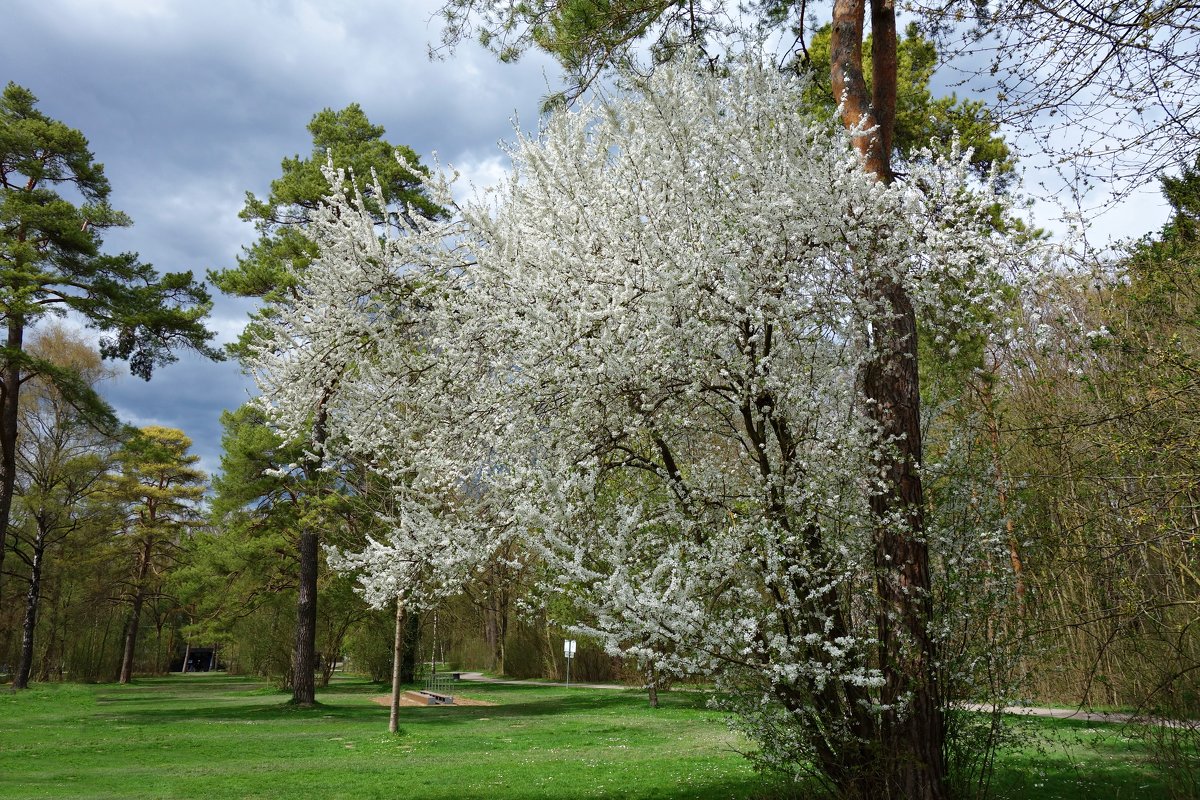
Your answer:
<point x="642" y="354"/>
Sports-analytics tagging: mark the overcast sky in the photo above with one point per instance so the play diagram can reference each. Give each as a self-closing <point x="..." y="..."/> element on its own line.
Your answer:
<point x="190" y="104"/>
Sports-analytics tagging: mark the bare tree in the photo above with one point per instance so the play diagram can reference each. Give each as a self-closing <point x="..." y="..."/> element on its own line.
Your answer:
<point x="1109" y="91"/>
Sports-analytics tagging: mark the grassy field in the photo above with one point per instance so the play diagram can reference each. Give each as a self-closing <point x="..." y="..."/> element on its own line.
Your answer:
<point x="214" y="737"/>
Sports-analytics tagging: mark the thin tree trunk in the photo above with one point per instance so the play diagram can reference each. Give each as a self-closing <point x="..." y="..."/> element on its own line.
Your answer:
<point x="550" y="656"/>
<point x="25" y="663"/>
<point x="992" y="424"/>
<point x="158" y="626"/>
<point x="96" y="658"/>
<point x="397" y="667"/>
<point x="131" y="632"/>
<point x="652" y="687"/>
<point x="502" y="638"/>
<point x="304" y="688"/>
<point x="490" y="635"/>
<point x="135" y="613"/>
<point x="54" y="641"/>
<point x="10" y="388"/>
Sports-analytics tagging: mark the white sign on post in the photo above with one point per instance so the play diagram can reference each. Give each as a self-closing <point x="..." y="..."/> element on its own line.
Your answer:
<point x="568" y="654"/>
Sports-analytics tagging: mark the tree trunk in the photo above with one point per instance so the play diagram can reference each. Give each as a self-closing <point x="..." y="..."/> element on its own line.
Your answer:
<point x="501" y="639"/>
<point x="495" y="631"/>
<point x="55" y="640"/>
<point x="304" y="690"/>
<point x="135" y="613"/>
<point x="490" y="635"/>
<point x="397" y="667"/>
<point x="25" y="662"/>
<point x="550" y="654"/>
<point x="914" y="743"/>
<point x="988" y="401"/>
<point x="131" y="632"/>
<point x="304" y="655"/>
<point x="910" y="761"/>
<point x="96" y="656"/>
<point x="10" y="388"/>
<point x="158" y="627"/>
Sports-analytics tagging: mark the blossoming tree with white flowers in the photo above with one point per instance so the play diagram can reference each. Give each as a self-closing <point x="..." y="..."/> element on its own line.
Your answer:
<point x="649" y="354"/>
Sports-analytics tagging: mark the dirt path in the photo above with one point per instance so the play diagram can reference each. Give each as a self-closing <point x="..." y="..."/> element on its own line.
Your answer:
<point x="414" y="699"/>
<point x="479" y="677"/>
<point x="1111" y="717"/>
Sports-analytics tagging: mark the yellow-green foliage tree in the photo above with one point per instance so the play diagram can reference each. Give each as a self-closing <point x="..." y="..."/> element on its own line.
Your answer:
<point x="160" y="486"/>
<point x="62" y="460"/>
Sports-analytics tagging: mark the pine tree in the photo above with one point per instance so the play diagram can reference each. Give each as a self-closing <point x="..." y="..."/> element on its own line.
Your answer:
<point x="159" y="484"/>
<point x="273" y="266"/>
<point x="51" y="261"/>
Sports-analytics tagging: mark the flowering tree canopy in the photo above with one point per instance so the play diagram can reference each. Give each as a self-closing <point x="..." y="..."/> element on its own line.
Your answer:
<point x="644" y="353"/>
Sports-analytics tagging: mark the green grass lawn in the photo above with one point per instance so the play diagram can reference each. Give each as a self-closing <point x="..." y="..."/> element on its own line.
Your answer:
<point x="213" y="737"/>
<point x="1073" y="760"/>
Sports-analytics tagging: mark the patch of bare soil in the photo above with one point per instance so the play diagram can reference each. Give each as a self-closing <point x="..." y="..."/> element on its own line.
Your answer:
<point x="418" y="700"/>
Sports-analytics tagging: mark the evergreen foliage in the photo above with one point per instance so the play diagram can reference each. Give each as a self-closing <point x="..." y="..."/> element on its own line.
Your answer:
<point x="159" y="486"/>
<point x="51" y="262"/>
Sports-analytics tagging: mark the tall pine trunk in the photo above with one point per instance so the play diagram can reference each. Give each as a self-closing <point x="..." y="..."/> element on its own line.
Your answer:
<point x="304" y="690"/>
<point x="135" y="612"/>
<point x="910" y="761"/>
<point x="10" y="388"/>
<point x="304" y="654"/>
<point x="913" y="745"/>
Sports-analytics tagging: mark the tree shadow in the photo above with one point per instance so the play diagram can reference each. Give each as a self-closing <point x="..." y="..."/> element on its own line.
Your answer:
<point x="178" y="700"/>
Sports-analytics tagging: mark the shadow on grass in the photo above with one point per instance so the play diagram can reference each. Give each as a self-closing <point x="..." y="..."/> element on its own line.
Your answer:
<point x="181" y="685"/>
<point x="242" y="712"/>
<point x="218" y="704"/>
<point x="1077" y="760"/>
<point x="219" y="698"/>
<point x="344" y="685"/>
<point x="588" y="709"/>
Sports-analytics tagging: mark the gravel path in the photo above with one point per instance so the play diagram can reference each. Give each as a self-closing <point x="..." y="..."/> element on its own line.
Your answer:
<point x="479" y="677"/>
<point x="1114" y="718"/>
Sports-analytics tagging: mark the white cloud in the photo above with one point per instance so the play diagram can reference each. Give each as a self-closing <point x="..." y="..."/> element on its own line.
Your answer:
<point x="478" y="174"/>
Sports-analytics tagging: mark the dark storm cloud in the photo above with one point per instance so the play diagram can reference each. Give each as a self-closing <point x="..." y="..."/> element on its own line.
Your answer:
<point x="189" y="395"/>
<point x="189" y="105"/>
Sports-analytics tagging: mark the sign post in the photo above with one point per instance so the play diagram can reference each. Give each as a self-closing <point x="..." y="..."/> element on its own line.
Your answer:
<point x="568" y="654"/>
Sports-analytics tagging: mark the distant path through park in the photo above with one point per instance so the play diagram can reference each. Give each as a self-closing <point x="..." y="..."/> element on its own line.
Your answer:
<point x="479" y="677"/>
<point x="1110" y="717"/>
